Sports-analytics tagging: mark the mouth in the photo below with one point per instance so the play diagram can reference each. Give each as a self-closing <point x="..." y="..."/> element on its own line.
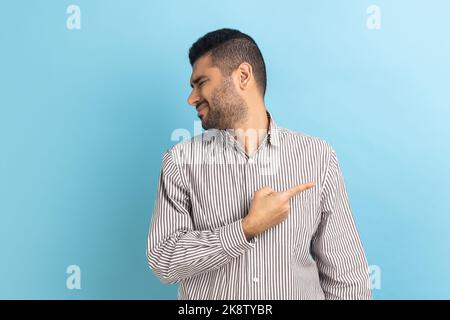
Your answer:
<point x="201" y="109"/>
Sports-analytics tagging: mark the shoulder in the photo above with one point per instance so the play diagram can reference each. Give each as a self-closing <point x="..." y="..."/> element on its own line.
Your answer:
<point x="305" y="142"/>
<point x="194" y="147"/>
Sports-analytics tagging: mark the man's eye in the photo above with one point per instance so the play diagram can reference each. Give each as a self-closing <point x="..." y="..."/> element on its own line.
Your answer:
<point x="201" y="83"/>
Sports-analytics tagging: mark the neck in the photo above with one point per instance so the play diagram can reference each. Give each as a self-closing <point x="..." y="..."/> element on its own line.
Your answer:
<point x="251" y="131"/>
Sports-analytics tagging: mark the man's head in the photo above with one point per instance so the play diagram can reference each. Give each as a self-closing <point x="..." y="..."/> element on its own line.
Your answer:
<point x="228" y="71"/>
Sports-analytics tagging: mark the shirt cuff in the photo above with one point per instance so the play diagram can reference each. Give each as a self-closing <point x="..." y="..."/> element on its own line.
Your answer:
<point x="233" y="239"/>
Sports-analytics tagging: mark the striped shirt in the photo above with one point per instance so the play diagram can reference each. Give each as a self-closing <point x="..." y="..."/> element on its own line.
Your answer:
<point x="205" y="189"/>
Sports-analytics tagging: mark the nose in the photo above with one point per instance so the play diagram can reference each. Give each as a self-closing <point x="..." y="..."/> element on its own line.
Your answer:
<point x="193" y="98"/>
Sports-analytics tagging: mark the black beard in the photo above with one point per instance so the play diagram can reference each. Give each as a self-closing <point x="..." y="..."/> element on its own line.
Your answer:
<point x="227" y="108"/>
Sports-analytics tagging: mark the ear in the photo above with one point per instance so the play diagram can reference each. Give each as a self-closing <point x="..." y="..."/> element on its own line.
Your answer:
<point x="245" y="74"/>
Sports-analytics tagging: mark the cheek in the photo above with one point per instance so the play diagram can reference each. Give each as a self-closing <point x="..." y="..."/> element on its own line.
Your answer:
<point x="206" y="94"/>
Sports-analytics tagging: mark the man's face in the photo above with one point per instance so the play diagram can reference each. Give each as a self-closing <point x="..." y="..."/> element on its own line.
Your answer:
<point x="216" y="98"/>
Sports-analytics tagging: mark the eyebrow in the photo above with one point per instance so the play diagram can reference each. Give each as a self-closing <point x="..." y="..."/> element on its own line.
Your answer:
<point x="197" y="80"/>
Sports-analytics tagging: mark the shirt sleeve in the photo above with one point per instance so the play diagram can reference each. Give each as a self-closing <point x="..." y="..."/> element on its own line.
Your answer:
<point x="336" y="247"/>
<point x="175" y="249"/>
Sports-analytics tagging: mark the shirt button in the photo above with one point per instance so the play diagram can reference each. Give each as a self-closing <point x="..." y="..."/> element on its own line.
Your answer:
<point x="255" y="279"/>
<point x="251" y="161"/>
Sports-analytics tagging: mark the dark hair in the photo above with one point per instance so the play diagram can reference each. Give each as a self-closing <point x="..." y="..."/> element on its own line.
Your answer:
<point x="229" y="48"/>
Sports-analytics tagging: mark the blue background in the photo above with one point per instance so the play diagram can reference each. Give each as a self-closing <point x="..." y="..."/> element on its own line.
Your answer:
<point x="85" y="116"/>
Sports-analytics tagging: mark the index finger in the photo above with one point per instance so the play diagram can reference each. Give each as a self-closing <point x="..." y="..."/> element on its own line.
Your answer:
<point x="298" y="188"/>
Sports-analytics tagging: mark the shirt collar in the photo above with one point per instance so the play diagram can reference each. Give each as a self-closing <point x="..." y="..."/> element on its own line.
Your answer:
<point x="272" y="133"/>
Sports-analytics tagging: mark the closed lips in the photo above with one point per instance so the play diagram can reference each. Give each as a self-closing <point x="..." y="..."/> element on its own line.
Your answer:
<point x="200" y="107"/>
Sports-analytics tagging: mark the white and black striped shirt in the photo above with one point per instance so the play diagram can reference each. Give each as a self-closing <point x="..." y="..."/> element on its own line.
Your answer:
<point x="205" y="189"/>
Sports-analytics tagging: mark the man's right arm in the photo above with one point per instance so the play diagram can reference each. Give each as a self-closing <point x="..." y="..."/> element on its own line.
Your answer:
<point x="175" y="250"/>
